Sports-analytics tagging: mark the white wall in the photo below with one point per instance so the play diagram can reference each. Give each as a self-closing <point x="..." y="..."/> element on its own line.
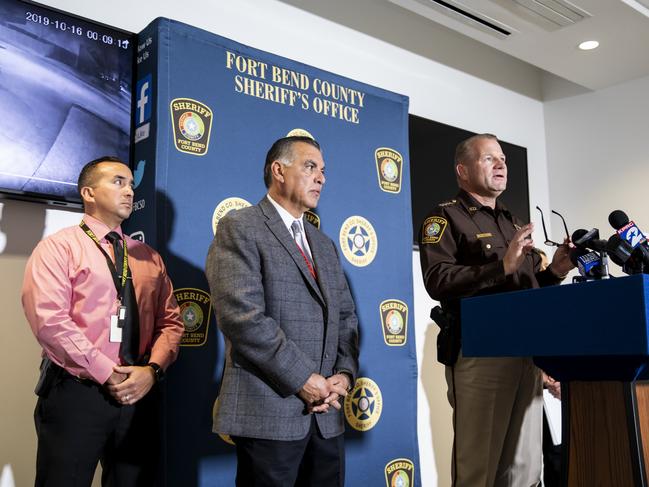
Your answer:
<point x="436" y="91"/>
<point x="21" y="227"/>
<point x="598" y="156"/>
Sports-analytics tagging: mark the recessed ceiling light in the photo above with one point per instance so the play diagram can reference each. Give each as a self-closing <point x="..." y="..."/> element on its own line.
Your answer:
<point x="588" y="45"/>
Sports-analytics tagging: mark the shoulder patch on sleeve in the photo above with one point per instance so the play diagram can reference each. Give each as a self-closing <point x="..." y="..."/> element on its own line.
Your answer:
<point x="433" y="229"/>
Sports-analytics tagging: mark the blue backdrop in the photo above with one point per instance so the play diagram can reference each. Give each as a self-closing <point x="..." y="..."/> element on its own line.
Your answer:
<point x="207" y="111"/>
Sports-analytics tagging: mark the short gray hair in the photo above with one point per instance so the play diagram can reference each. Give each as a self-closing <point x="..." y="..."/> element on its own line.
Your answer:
<point x="282" y="150"/>
<point x="465" y="150"/>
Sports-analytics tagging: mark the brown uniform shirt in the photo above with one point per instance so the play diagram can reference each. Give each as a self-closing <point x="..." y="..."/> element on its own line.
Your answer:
<point x="462" y="245"/>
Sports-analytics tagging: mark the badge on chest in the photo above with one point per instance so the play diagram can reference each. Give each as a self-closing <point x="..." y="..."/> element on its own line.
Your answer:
<point x="117" y="324"/>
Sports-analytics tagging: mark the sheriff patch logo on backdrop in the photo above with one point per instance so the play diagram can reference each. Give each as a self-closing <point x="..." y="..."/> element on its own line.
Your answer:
<point x="363" y="405"/>
<point x="312" y="218"/>
<point x="358" y="241"/>
<point x="389" y="165"/>
<point x="226" y="206"/>
<point x="195" y="310"/>
<point x="298" y="132"/>
<point x="394" y="321"/>
<point x="400" y="473"/>
<point x="192" y="123"/>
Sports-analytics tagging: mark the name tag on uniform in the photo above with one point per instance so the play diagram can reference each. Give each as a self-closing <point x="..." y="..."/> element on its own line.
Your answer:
<point x="483" y="235"/>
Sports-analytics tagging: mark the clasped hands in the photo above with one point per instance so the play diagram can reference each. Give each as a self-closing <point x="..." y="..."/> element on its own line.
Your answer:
<point x="321" y="393"/>
<point x="129" y="384"/>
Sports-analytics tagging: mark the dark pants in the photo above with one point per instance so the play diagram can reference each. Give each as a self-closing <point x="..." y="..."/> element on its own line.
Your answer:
<point x="311" y="461"/>
<point x="78" y="424"/>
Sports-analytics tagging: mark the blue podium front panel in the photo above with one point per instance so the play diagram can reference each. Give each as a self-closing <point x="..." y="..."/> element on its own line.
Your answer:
<point x="586" y="331"/>
<point x="598" y="318"/>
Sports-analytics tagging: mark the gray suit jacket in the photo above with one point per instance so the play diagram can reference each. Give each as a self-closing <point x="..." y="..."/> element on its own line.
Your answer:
<point x="279" y="324"/>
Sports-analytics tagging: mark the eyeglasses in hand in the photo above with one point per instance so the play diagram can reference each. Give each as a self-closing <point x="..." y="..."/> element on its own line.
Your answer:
<point x="548" y="241"/>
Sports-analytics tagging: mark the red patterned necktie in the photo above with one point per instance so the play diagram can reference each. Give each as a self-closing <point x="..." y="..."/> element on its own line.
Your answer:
<point x="297" y="233"/>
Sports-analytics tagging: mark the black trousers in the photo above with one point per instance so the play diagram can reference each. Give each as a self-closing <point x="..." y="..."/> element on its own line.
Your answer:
<point x="78" y="424"/>
<point x="312" y="461"/>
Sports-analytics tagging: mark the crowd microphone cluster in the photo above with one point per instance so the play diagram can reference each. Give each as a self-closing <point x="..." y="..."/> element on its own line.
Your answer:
<point x="627" y="247"/>
<point x="634" y="242"/>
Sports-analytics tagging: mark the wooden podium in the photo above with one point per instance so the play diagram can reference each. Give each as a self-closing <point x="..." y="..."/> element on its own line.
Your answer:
<point x="594" y="338"/>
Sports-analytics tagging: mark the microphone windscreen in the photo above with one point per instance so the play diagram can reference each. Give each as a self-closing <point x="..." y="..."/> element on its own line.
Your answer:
<point x="583" y="238"/>
<point x="618" y="219"/>
<point x="619" y="250"/>
<point x="577" y="234"/>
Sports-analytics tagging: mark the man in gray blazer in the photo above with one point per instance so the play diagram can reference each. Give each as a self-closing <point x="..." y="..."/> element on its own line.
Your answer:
<point x="286" y="312"/>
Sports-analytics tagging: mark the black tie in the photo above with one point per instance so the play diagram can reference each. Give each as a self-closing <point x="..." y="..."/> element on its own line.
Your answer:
<point x="129" y="348"/>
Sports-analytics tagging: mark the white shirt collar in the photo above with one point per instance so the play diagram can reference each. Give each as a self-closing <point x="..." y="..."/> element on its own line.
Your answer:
<point x="287" y="218"/>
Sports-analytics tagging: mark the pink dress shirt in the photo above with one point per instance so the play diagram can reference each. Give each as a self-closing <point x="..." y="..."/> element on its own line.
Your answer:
<point x="68" y="296"/>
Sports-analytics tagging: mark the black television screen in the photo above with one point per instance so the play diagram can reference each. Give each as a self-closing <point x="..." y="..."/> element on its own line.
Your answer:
<point x="65" y="98"/>
<point x="432" y="174"/>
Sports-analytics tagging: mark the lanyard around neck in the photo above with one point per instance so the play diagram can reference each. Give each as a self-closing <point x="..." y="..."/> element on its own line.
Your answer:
<point x="116" y="277"/>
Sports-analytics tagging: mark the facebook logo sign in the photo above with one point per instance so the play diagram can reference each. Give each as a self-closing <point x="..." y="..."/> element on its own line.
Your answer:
<point x="143" y="108"/>
<point x="143" y="105"/>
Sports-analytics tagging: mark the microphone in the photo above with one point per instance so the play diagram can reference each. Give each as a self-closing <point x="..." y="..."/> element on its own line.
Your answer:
<point x="589" y="264"/>
<point x="588" y="239"/>
<point x="629" y="231"/>
<point x="578" y="235"/>
<point x="618" y="219"/>
<point x="619" y="250"/>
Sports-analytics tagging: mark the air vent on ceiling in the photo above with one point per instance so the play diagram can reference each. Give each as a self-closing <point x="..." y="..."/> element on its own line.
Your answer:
<point x="558" y="12"/>
<point x="470" y="17"/>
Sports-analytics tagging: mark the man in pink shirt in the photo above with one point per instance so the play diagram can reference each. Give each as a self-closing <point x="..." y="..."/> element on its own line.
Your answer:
<point x="102" y="307"/>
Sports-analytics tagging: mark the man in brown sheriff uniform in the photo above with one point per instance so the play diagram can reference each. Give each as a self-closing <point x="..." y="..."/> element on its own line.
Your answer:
<point x="469" y="246"/>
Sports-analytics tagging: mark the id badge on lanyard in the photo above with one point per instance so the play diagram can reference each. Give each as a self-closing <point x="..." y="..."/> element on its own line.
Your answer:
<point x="118" y="319"/>
<point x="117" y="324"/>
